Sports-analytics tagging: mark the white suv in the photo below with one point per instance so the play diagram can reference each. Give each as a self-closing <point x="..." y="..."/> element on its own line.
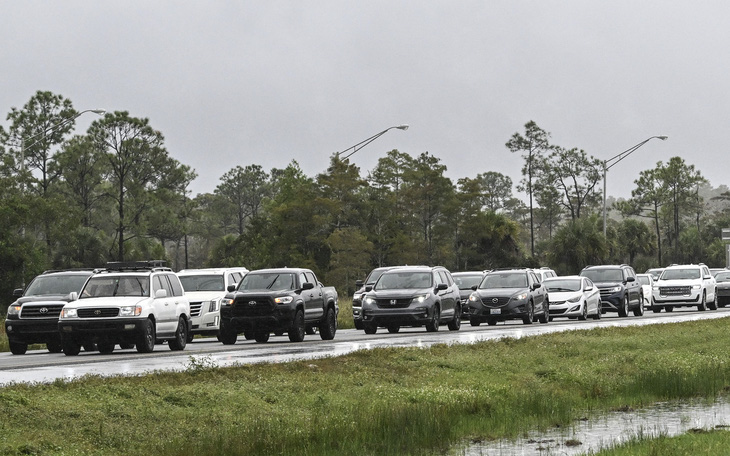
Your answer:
<point x="130" y="304"/>
<point x="685" y="285"/>
<point x="205" y="288"/>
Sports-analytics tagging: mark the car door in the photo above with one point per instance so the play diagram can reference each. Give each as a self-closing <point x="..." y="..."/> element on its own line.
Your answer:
<point x="592" y="295"/>
<point x="164" y="307"/>
<point x="633" y="286"/>
<point x="537" y="290"/>
<point x="447" y="295"/>
<point x="313" y="298"/>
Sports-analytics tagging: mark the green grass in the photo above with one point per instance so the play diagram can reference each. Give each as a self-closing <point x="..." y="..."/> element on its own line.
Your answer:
<point x="698" y="442"/>
<point x="344" y="318"/>
<point x="384" y="401"/>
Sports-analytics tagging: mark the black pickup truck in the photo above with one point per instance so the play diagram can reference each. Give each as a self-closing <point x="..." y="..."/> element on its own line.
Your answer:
<point x="281" y="300"/>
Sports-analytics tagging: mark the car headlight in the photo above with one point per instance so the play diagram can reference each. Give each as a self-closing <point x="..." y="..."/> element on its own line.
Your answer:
<point x="130" y="311"/>
<point x="368" y="300"/>
<point x="574" y="299"/>
<point x="615" y="289"/>
<point x="226" y="302"/>
<point x="213" y="306"/>
<point x="69" y="313"/>
<point x="474" y="297"/>
<point x="421" y="298"/>
<point x="696" y="287"/>
<point x="357" y="296"/>
<point x="283" y="300"/>
<point x="521" y="296"/>
<point x="14" y="309"/>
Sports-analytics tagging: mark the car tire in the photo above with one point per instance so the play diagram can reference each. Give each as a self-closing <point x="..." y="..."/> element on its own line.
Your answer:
<point x="227" y="333"/>
<point x="455" y="323"/>
<point x="393" y="328"/>
<point x="71" y="348"/>
<point x="54" y="346"/>
<point x="297" y="330"/>
<point x="146" y="338"/>
<point x="702" y="306"/>
<point x="191" y="336"/>
<point x="433" y="325"/>
<point x="656" y="309"/>
<point x="180" y="340"/>
<point x="328" y="327"/>
<point x="358" y="324"/>
<point x="261" y="336"/>
<point x="474" y="321"/>
<point x="126" y="345"/>
<point x="712" y="305"/>
<point x="669" y="308"/>
<point x="530" y="317"/>
<point x="248" y="335"/>
<point x="105" y="348"/>
<point x="545" y="317"/>
<point x="623" y="311"/>
<point x="491" y="321"/>
<point x="584" y="312"/>
<point x="370" y="328"/>
<point x="598" y="314"/>
<point x="639" y="311"/>
<point x="18" y="348"/>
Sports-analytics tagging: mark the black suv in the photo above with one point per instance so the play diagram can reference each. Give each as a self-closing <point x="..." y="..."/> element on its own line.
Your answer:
<point x="620" y="290"/>
<point x="509" y="294"/>
<point x="33" y="318"/>
<point x="357" y="297"/>
<point x="412" y="296"/>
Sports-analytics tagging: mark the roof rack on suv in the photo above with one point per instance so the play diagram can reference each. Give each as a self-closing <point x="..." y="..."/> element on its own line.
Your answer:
<point x="137" y="265"/>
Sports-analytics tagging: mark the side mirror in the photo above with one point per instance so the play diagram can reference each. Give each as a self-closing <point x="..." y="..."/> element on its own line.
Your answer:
<point x="474" y="287"/>
<point x="368" y="288"/>
<point x="359" y="283"/>
<point x="161" y="294"/>
<point x="307" y="286"/>
<point x="73" y="296"/>
<point x="18" y="292"/>
<point x="232" y="287"/>
<point x="630" y="279"/>
<point x="588" y="288"/>
<point x="535" y="286"/>
<point x="441" y="286"/>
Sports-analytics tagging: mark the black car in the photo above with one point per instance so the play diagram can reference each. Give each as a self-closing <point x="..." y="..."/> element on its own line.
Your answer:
<point x="357" y="297"/>
<point x="467" y="280"/>
<point x="509" y="294"/>
<point x="621" y="292"/>
<point x="412" y="296"/>
<point x="33" y="318"/>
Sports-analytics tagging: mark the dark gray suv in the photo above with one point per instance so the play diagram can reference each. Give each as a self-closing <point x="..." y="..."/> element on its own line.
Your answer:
<point x="412" y="296"/>
<point x="509" y="294"/>
<point x="621" y="292"/>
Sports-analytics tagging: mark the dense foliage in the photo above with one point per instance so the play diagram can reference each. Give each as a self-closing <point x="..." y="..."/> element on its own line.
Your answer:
<point x="116" y="193"/>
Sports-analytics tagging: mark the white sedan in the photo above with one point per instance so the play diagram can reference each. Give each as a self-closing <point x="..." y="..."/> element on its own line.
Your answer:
<point x="573" y="297"/>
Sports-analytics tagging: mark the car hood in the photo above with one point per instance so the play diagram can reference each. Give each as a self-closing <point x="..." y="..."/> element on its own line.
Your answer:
<point x="678" y="282"/>
<point x="399" y="294"/>
<point x="563" y="295"/>
<point x="496" y="292"/>
<point x="44" y="298"/>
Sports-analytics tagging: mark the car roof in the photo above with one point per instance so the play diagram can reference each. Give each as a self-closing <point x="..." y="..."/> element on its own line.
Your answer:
<point x="553" y="279"/>
<point x="211" y="271"/>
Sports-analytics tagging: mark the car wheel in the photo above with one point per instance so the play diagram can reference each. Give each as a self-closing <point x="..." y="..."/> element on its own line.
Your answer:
<point x="18" y="348"/>
<point x="105" y="348"/>
<point x="639" y="311"/>
<point x="474" y="321"/>
<point x="702" y="306"/>
<point x="492" y="321"/>
<point x="89" y="347"/>
<point x="146" y="338"/>
<point x="261" y="336"/>
<point x="180" y="340"/>
<point x="126" y="345"/>
<point x="248" y="335"/>
<point x="530" y="317"/>
<point x="623" y="311"/>
<point x="455" y="323"/>
<point x="433" y="325"/>
<point x="296" y="332"/>
<point x="712" y="305"/>
<point x="393" y="328"/>
<point x="656" y="309"/>
<point x="584" y="312"/>
<point x="54" y="346"/>
<point x="669" y="308"/>
<point x="71" y="348"/>
<point x="227" y="333"/>
<point x="358" y="324"/>
<point x="545" y="317"/>
<point x="191" y="336"/>
<point x="328" y="328"/>
<point x="370" y="328"/>
<point x="597" y="316"/>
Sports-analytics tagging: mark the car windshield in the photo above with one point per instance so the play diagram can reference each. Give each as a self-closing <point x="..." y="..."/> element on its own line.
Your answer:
<point x="374" y="275"/>
<point x="268" y="281"/>
<point x="105" y="286"/>
<point x="557" y="285"/>
<point x="404" y="279"/>
<point x="203" y="282"/>
<point x="604" y="275"/>
<point x="644" y="280"/>
<point x="464" y="282"/>
<point x="681" y="274"/>
<point x="723" y="276"/>
<point x="56" y="285"/>
<point x="504" y="280"/>
<point x="655" y="273"/>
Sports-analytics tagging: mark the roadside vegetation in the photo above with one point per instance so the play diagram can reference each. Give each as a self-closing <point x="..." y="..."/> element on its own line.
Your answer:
<point x="384" y="401"/>
<point x="697" y="442"/>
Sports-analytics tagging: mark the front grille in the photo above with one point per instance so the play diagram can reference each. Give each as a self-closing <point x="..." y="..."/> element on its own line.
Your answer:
<point x="41" y="311"/>
<point x="253" y="307"/>
<point x="606" y="292"/>
<point x="101" y="312"/>
<point x="393" y="303"/>
<point x="674" y="291"/>
<point x="195" y="309"/>
<point x="495" y="302"/>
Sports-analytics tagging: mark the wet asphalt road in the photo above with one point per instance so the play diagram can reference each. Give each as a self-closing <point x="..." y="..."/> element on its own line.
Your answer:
<point x="41" y="366"/>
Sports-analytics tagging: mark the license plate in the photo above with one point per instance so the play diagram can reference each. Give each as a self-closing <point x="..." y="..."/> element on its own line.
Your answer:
<point x="495" y="311"/>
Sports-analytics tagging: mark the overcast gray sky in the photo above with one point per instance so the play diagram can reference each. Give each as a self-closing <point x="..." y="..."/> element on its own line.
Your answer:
<point x="266" y="82"/>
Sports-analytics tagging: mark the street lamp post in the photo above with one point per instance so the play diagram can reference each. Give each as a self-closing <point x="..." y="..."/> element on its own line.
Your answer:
<point x="608" y="164"/>
<point x="365" y="142"/>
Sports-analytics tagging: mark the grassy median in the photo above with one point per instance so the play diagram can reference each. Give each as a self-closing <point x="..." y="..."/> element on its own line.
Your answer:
<point x="384" y="401"/>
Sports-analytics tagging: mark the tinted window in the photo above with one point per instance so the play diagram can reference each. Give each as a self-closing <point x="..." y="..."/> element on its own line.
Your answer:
<point x="603" y="275"/>
<point x="268" y="281"/>
<point x="681" y="274"/>
<point x="202" y="282"/>
<point x="177" y="289"/>
<point x="404" y="279"/>
<point x="644" y="280"/>
<point x="505" y="280"/>
<point x="723" y="276"/>
<point x="557" y="285"/>
<point x="374" y="275"/>
<point x="465" y="282"/>
<point x="310" y="278"/>
<point x="56" y="285"/>
<point x="105" y="286"/>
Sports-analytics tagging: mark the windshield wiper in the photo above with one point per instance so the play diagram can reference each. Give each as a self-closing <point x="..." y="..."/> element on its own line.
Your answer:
<point x="272" y="282"/>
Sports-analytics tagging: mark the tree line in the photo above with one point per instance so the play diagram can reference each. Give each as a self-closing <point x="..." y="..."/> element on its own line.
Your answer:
<point x="116" y="193"/>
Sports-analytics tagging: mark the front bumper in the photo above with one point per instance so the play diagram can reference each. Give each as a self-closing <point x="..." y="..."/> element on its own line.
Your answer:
<point x="35" y="331"/>
<point x="110" y="329"/>
<point x="514" y="309"/>
<point x="565" y="309"/>
<point x="411" y="316"/>
<point x="691" y="298"/>
<point x="279" y="319"/>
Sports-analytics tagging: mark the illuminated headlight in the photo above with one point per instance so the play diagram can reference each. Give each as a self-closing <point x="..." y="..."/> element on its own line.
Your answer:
<point x="696" y="287"/>
<point x="575" y="299"/>
<point x="130" y="311"/>
<point x="69" y="313"/>
<point x="474" y="297"/>
<point x="368" y="300"/>
<point x="357" y="296"/>
<point x="615" y="289"/>
<point x="14" y="309"/>
<point x="226" y="302"/>
<point x="422" y="297"/>
<point x="283" y="300"/>
<point x="521" y="296"/>
<point x="213" y="306"/>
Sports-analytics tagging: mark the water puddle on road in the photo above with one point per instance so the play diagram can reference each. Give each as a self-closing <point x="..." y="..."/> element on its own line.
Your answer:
<point x="587" y="436"/>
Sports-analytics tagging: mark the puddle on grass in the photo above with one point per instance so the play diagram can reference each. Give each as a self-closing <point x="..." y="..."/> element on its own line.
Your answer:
<point x="588" y="436"/>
